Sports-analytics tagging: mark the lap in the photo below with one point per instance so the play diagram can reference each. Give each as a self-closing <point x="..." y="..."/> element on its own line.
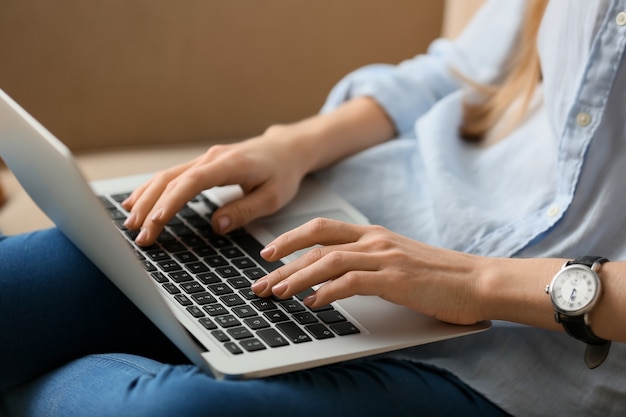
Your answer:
<point x="118" y="385"/>
<point x="56" y="306"/>
<point x="57" y="310"/>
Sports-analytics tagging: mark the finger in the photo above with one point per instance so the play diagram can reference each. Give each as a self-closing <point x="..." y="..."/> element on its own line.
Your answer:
<point x="170" y="196"/>
<point x="317" y="266"/>
<point x="349" y="284"/>
<point x="262" y="201"/>
<point x="319" y="231"/>
<point x="143" y="198"/>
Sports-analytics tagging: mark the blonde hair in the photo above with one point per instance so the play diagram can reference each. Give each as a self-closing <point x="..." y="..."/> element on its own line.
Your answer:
<point x="519" y="84"/>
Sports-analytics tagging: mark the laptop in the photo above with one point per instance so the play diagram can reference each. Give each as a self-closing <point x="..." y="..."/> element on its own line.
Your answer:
<point x="194" y="284"/>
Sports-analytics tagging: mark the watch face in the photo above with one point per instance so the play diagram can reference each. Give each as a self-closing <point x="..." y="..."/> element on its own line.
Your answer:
<point x="574" y="289"/>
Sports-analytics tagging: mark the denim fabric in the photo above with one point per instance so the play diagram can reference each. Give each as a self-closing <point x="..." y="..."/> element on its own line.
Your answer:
<point x="73" y="345"/>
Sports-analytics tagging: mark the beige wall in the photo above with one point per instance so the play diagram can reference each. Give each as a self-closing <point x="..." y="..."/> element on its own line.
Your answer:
<point x="128" y="72"/>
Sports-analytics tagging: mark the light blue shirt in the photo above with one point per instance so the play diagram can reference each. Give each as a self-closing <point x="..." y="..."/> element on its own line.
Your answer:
<point x="556" y="187"/>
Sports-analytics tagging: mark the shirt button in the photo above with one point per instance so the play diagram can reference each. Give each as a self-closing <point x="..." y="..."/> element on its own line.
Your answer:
<point x="621" y="18"/>
<point x="553" y="210"/>
<point x="583" y="119"/>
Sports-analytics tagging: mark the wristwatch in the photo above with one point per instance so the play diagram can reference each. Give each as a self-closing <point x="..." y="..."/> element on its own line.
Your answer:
<point x="574" y="291"/>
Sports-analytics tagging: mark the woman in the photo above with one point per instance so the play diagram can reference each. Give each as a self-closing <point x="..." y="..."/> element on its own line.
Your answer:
<point x="484" y="196"/>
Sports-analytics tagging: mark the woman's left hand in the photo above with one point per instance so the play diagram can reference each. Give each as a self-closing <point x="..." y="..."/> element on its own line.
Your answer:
<point x="371" y="260"/>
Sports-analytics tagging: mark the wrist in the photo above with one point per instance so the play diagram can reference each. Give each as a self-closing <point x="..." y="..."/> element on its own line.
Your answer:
<point x="296" y="142"/>
<point x="513" y="290"/>
<point x="325" y="139"/>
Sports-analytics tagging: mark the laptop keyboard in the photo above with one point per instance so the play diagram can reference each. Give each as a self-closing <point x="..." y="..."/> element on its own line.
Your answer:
<point x="210" y="275"/>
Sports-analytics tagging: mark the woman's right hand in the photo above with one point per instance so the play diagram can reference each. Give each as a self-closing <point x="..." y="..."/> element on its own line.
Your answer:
<point x="268" y="168"/>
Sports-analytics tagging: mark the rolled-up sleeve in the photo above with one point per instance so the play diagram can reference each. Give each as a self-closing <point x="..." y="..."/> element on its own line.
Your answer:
<point x="409" y="89"/>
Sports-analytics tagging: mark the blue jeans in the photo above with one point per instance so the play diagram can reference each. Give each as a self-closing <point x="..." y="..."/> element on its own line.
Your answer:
<point x="72" y="345"/>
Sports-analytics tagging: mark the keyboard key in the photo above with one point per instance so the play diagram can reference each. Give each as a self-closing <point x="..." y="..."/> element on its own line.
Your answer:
<point x="203" y="298"/>
<point x="220" y="336"/>
<point x="304" y="294"/>
<point x="183" y="300"/>
<point x="180" y="276"/>
<point x="208" y="278"/>
<point x="215" y="261"/>
<point x="244" y="311"/>
<point x="204" y="251"/>
<point x="232" y="300"/>
<point x="207" y="323"/>
<point x="272" y="338"/>
<point x="159" y="277"/>
<point x="215" y="310"/>
<point x="220" y="289"/>
<point x="256" y="323"/>
<point x="193" y="241"/>
<point x="164" y="237"/>
<point x="252" y="345"/>
<point x="291" y="306"/>
<point x="171" y="288"/>
<point x="254" y="273"/>
<point x="186" y="257"/>
<point x="197" y="267"/>
<point x="227" y="321"/>
<point x="319" y="331"/>
<point x="187" y="212"/>
<point x="344" y="328"/>
<point x="168" y="266"/>
<point x="147" y="265"/>
<point x="157" y="255"/>
<point x="219" y="241"/>
<point x="231" y="252"/>
<point x="195" y="311"/>
<point x="276" y="316"/>
<point x="248" y="294"/>
<point x="180" y="229"/>
<point x="252" y="247"/>
<point x="332" y="316"/>
<point x="305" y="318"/>
<point x="243" y="263"/>
<point x="174" y="221"/>
<point x="233" y="348"/>
<point x="238" y="283"/>
<point x="227" y="271"/>
<point x="293" y="332"/>
<point x="239" y="333"/>
<point x="192" y="287"/>
<point x="264" y="304"/>
<point x="319" y="309"/>
<point x="173" y="246"/>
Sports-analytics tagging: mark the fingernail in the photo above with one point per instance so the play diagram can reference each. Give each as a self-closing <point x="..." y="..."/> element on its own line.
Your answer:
<point x="309" y="300"/>
<point x="130" y="220"/>
<point x="141" y="237"/>
<point x="157" y="216"/>
<point x="259" y="286"/>
<point x="224" y="223"/>
<point x="279" y="289"/>
<point x="267" y="251"/>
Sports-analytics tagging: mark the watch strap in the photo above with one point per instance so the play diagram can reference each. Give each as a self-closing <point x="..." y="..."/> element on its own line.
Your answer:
<point x="596" y="354"/>
<point x="597" y="348"/>
<point x="576" y="327"/>
<point x="587" y="260"/>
